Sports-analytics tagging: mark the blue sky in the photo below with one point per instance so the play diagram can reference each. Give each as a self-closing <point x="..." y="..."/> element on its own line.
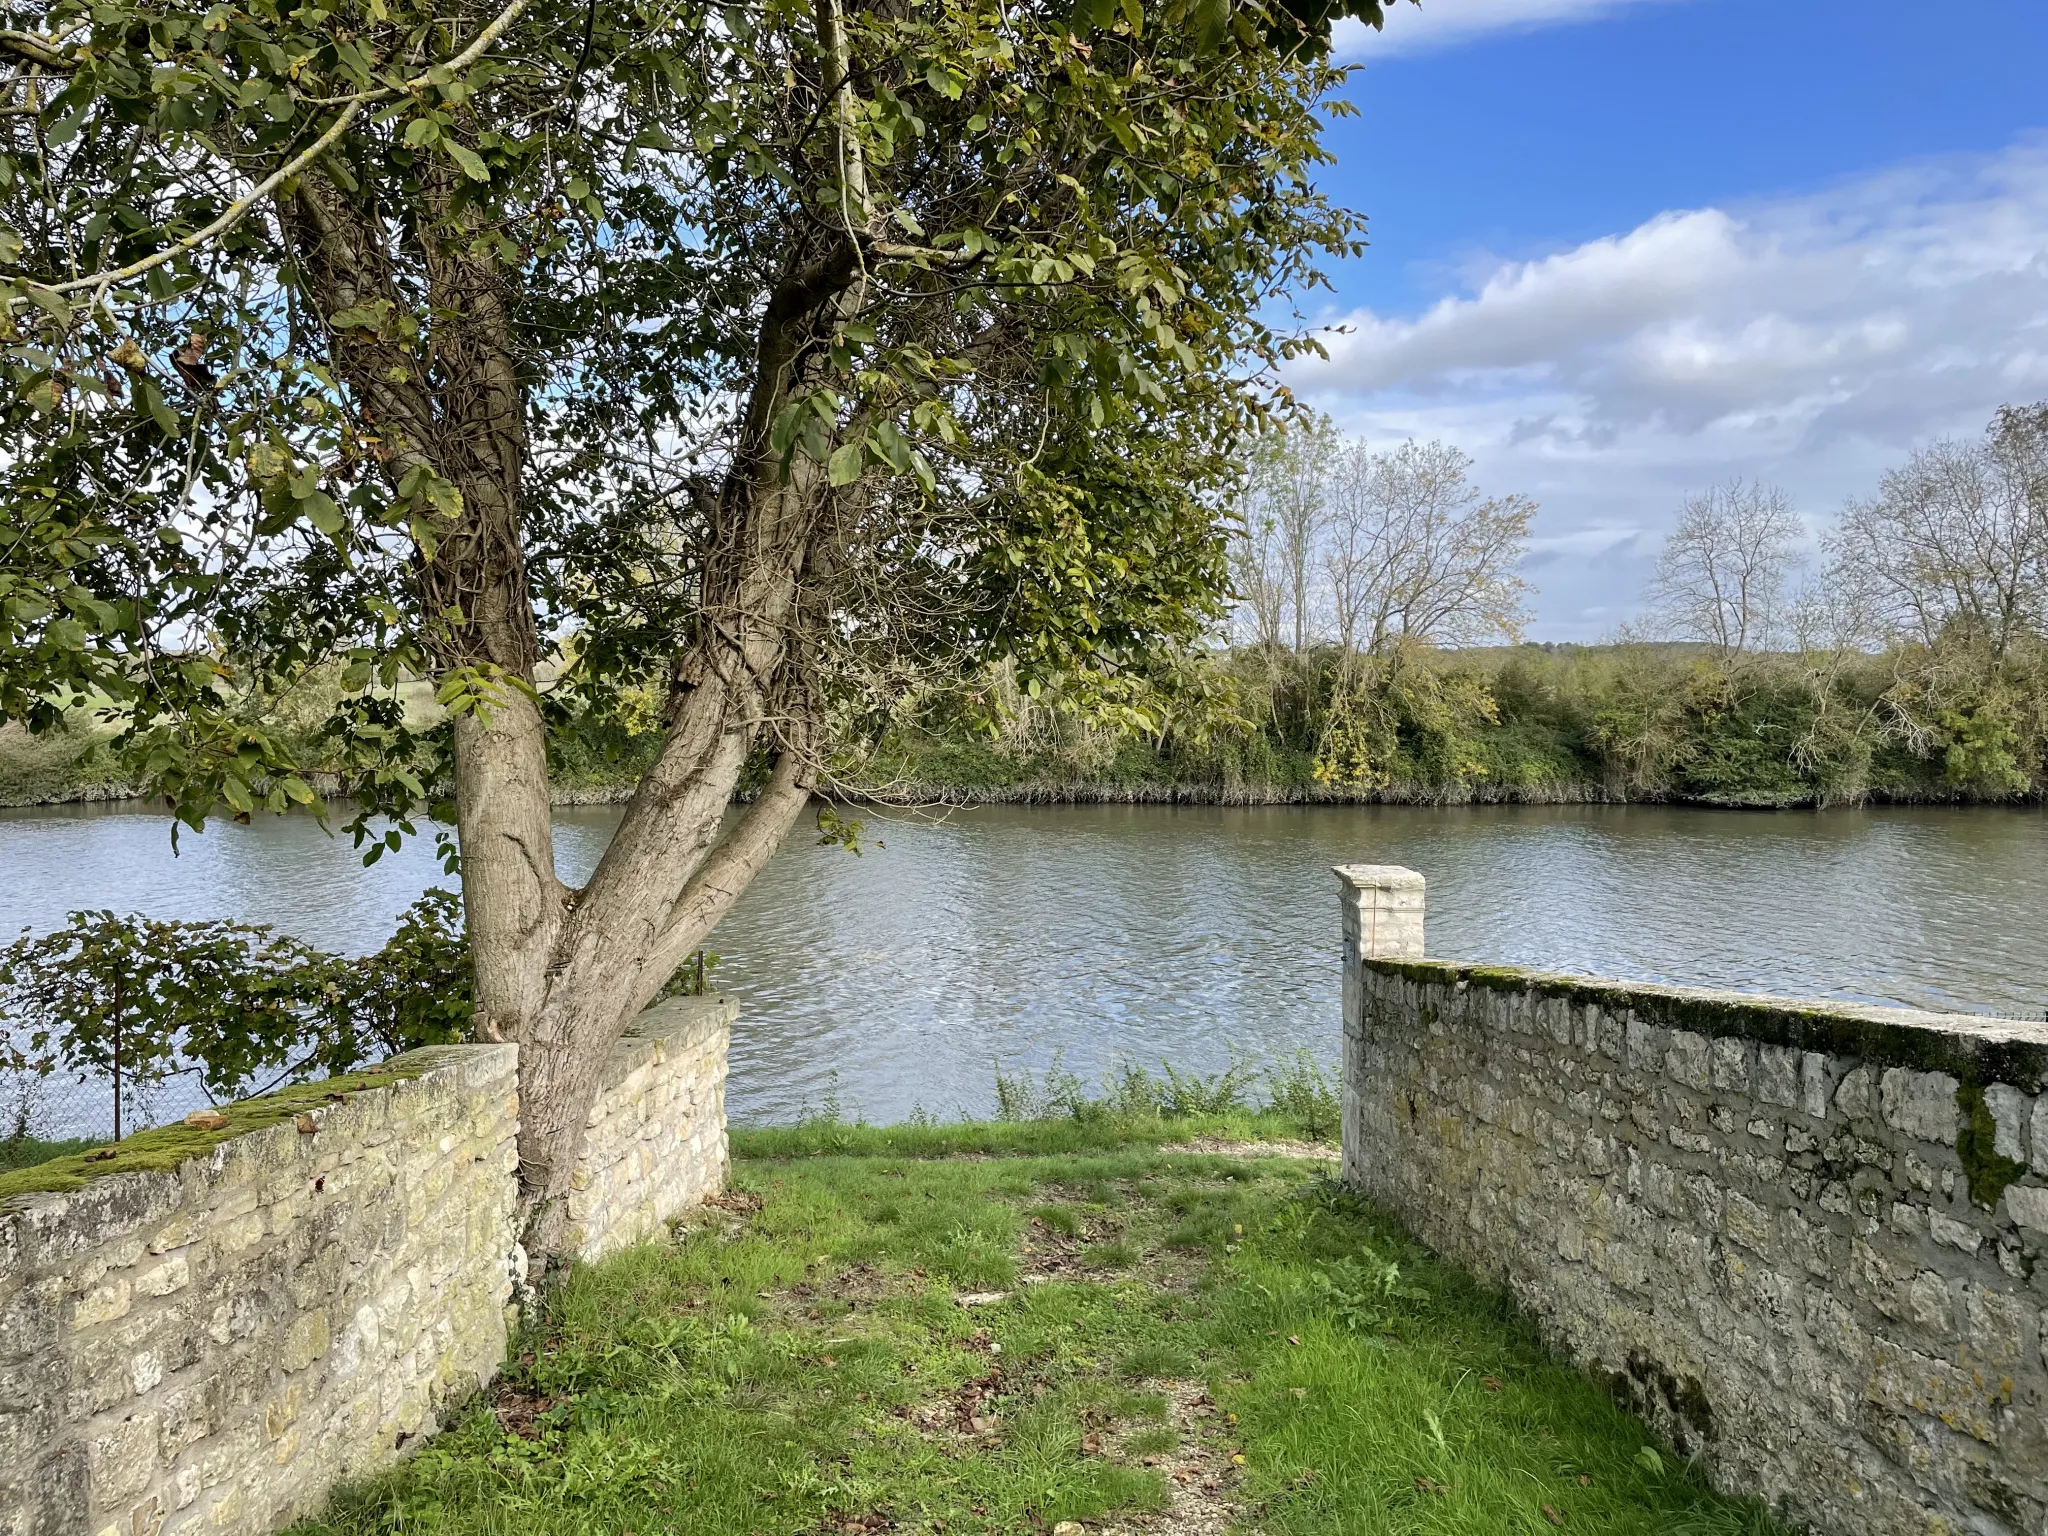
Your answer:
<point x="1625" y="248"/>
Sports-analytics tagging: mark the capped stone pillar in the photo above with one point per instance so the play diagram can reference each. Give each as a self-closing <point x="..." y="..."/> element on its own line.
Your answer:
<point x="1382" y="921"/>
<point x="1382" y="912"/>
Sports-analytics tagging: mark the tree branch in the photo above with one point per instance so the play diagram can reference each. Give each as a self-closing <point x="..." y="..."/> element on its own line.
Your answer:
<point x="46" y="52"/>
<point x="731" y="866"/>
<point x="236" y="211"/>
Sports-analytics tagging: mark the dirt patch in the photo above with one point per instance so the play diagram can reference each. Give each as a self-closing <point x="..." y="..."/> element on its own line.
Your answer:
<point x="1201" y="1478"/>
<point x="1216" y="1146"/>
<point x="519" y="1413"/>
<point x="967" y="1410"/>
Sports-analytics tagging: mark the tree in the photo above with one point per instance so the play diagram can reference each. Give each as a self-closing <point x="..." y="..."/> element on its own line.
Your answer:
<point x="1417" y="553"/>
<point x="1955" y="542"/>
<point x="140" y="1000"/>
<point x="759" y="355"/>
<point x="1281" y="514"/>
<point x="1722" y="574"/>
<point x="137" y="1001"/>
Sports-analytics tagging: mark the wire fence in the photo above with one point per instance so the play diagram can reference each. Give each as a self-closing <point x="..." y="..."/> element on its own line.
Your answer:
<point x="70" y="1106"/>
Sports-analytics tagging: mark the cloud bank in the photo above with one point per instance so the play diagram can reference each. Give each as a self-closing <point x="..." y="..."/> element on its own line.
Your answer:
<point x="1809" y="339"/>
<point x="1447" y="23"/>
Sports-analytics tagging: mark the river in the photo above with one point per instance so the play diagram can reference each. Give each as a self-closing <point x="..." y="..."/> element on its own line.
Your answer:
<point x="901" y="979"/>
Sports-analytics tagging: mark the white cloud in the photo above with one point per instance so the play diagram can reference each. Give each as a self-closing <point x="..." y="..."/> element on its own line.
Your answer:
<point x="1807" y="339"/>
<point x="1446" y="23"/>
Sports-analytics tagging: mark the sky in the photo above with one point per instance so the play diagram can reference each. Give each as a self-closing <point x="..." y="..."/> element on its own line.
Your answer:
<point x="1625" y="249"/>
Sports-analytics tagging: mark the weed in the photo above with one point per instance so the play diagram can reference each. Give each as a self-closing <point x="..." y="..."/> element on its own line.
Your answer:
<point x="1360" y="1291"/>
<point x="1299" y="1088"/>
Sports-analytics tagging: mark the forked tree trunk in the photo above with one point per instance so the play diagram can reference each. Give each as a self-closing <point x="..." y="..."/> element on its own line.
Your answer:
<point x="561" y="972"/>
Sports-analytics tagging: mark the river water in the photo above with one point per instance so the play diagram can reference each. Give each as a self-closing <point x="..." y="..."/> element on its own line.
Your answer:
<point x="1008" y="936"/>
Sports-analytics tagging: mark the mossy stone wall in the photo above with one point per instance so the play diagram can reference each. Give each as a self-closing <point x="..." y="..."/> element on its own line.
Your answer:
<point x="1808" y="1241"/>
<point x="209" y="1341"/>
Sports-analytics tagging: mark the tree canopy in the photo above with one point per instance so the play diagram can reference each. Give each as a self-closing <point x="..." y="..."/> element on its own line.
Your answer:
<point x="248" y="248"/>
<point x="755" y="358"/>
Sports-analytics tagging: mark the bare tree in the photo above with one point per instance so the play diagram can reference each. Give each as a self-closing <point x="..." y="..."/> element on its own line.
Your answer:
<point x="1284" y="512"/>
<point x="1415" y="550"/>
<point x="1724" y="569"/>
<point x="1258" y="575"/>
<point x="1956" y="538"/>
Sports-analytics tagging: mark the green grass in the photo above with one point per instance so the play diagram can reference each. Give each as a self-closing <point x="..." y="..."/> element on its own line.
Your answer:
<point x="798" y="1362"/>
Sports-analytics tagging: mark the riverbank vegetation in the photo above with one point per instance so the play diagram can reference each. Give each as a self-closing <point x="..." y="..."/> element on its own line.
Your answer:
<point x="1370" y="656"/>
<point x="1904" y="656"/>
<point x="895" y="1330"/>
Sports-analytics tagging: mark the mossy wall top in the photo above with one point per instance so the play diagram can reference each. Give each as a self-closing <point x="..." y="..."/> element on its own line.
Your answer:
<point x="1969" y="1047"/>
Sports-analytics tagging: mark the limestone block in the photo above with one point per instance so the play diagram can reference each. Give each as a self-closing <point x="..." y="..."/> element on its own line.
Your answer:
<point x="1730" y="1065"/>
<point x="1687" y="1059"/>
<point x="2010" y="1110"/>
<point x="122" y="1458"/>
<point x="2028" y="1205"/>
<point x="1921" y="1104"/>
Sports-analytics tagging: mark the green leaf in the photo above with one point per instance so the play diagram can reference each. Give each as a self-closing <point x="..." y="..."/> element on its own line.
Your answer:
<point x="51" y="304"/>
<point x="845" y="465"/>
<point x="319" y="510"/>
<point x="471" y="162"/>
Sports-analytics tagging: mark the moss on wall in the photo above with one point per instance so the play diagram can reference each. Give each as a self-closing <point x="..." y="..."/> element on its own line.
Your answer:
<point x="1977" y="1147"/>
<point x="163" y="1149"/>
<point x="1974" y="1051"/>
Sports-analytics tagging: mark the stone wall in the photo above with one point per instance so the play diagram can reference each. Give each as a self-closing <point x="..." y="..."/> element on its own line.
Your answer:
<point x="656" y="1143"/>
<point x="1808" y="1241"/>
<point x="214" y="1347"/>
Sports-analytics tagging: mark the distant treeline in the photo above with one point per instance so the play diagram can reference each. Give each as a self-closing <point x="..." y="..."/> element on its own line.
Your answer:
<point x="1634" y="721"/>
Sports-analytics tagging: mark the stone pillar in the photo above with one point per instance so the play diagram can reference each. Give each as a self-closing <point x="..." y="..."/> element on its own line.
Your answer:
<point x="1382" y="912"/>
<point x="1382" y="921"/>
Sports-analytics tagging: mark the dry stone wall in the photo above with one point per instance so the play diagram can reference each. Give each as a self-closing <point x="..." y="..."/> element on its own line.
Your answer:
<point x="1806" y="1240"/>
<point x="656" y="1143"/>
<point x="211" y="1349"/>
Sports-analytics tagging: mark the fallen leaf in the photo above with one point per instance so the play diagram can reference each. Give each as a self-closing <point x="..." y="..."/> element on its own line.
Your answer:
<point x="1491" y="1383"/>
<point x="1550" y="1513"/>
<point x="1294" y="1339"/>
<point x="1091" y="1445"/>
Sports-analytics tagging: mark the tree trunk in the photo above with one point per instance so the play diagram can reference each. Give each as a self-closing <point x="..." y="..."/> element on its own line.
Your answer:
<point x="562" y="972"/>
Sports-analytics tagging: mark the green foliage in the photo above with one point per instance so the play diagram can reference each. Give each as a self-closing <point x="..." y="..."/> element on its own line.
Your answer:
<point x="994" y="294"/>
<point x="1361" y="1291"/>
<point x="1298" y="1095"/>
<point x="418" y="989"/>
<point x="142" y="1000"/>
<point x="1299" y="1089"/>
<point x="1537" y="722"/>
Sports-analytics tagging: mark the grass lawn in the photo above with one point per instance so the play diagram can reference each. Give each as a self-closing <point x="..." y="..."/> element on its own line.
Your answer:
<point x="1003" y="1328"/>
